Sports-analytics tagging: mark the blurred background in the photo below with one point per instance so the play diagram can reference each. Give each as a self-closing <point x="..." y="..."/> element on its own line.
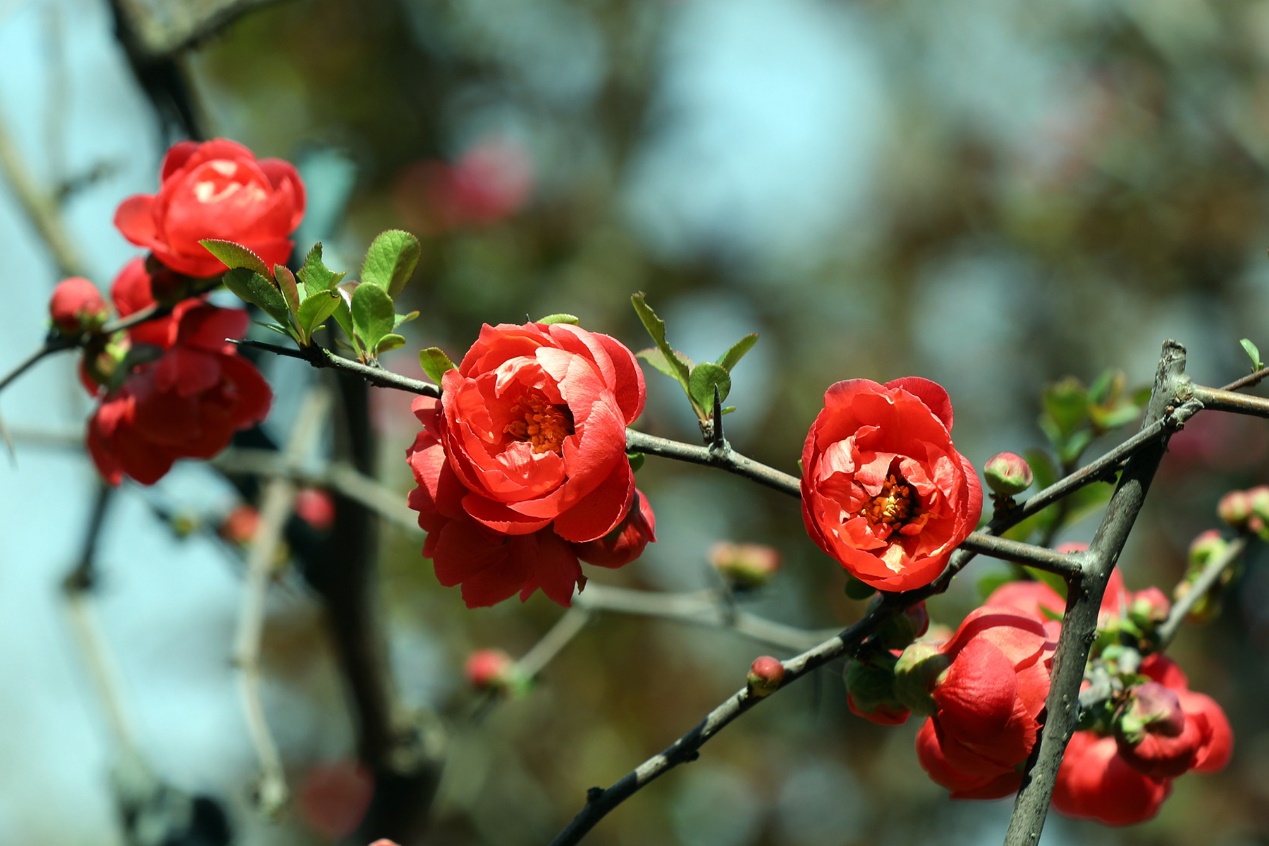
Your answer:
<point x="989" y="194"/>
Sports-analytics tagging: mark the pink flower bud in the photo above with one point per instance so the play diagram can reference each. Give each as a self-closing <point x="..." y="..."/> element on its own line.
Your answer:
<point x="315" y="507"/>
<point x="765" y="675"/>
<point x="1008" y="474"/>
<point x="488" y="669"/>
<point x="77" y="307"/>
<point x="745" y="565"/>
<point x="1235" y="509"/>
<point x="240" y="525"/>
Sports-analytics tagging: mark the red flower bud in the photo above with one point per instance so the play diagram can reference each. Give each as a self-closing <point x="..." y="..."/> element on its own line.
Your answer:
<point x="765" y="675"/>
<point x="745" y="565"/>
<point x="870" y="694"/>
<point x="77" y="307"/>
<point x="240" y="525"/>
<point x="1008" y="473"/>
<point x="315" y="507"/>
<point x="1235" y="509"/>
<point x="488" y="669"/>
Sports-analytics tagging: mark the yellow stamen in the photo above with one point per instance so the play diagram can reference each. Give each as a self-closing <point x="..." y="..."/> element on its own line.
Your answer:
<point x="542" y="425"/>
<point x="894" y="506"/>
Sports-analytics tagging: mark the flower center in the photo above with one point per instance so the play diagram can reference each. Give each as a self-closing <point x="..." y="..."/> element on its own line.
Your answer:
<point x="893" y="506"/>
<point x="542" y="425"/>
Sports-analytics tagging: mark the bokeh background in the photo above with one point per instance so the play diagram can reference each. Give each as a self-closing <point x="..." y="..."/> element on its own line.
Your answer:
<point x="989" y="194"/>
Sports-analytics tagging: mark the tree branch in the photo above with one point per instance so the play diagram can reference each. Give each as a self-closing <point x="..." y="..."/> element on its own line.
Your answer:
<point x="1079" y="624"/>
<point x="1199" y="588"/>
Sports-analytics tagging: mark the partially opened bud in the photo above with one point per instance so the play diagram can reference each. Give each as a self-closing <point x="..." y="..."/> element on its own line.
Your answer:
<point x="745" y="565"/>
<point x="1008" y="474"/>
<point x="489" y="669"/>
<point x="77" y="307"/>
<point x="1235" y="509"/>
<point x="765" y="675"/>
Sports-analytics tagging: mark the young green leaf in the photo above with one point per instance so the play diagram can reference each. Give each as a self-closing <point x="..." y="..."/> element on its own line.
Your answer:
<point x="315" y="275"/>
<point x="558" y="318"/>
<point x="701" y="385"/>
<point x="636" y="460"/>
<point x="404" y="318"/>
<point x="286" y="284"/>
<point x="435" y="363"/>
<point x="235" y="255"/>
<point x="1253" y="353"/>
<point x="678" y="368"/>
<point x="729" y="359"/>
<point x="315" y="309"/>
<point x="372" y="314"/>
<point x="258" y="290"/>
<point x="388" y="343"/>
<point x="657" y="360"/>
<point x="391" y="260"/>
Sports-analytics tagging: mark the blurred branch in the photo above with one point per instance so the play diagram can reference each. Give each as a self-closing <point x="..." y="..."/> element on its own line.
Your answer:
<point x="1199" y="588"/>
<point x="275" y="507"/>
<point x="40" y="208"/>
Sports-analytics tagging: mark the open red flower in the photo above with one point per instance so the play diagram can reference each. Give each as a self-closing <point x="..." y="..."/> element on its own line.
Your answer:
<point x="884" y="492"/>
<point x="1094" y="783"/>
<point x="216" y="189"/>
<point x="185" y="402"/>
<point x="984" y="688"/>
<point x="533" y="423"/>
<point x="492" y="566"/>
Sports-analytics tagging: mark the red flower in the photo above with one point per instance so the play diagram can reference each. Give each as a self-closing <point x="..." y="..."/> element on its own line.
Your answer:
<point x="626" y="542"/>
<point x="989" y="682"/>
<point x="1171" y="729"/>
<point x="1094" y="783"/>
<point x="217" y="189"/>
<point x="77" y="306"/>
<point x="185" y="403"/>
<point x="883" y="490"/>
<point x="533" y="424"/>
<point x="489" y="565"/>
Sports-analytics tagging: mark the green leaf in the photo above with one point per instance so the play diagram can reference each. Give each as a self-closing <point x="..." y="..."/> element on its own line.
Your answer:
<point x="435" y="363"/>
<point x="1253" y="353"/>
<point x="657" y="359"/>
<point x="235" y="256"/>
<point x="372" y="314"/>
<point x="391" y="260"/>
<point x="343" y="316"/>
<point x="286" y="284"/>
<point x="315" y="309"/>
<point x="388" y="343"/>
<point x="729" y="359"/>
<point x="404" y="318"/>
<point x="558" y="318"/>
<point x="315" y="275"/>
<point x="678" y="366"/>
<point x="258" y="290"/>
<point x="636" y="460"/>
<point x="701" y="382"/>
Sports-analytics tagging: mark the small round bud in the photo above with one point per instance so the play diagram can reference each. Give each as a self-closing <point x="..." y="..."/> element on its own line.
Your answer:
<point x="899" y="631"/>
<point x="1205" y="547"/>
<point x="77" y="307"/>
<point x="315" y="507"/>
<point x="489" y="669"/>
<point x="870" y="694"/>
<point x="1235" y="509"/>
<point x="1008" y="474"/>
<point x="745" y="565"/>
<point x="916" y="673"/>
<point x="240" y="525"/>
<point x="765" y="675"/>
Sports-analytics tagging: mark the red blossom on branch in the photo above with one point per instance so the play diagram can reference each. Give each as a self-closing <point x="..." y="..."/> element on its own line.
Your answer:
<point x="216" y="189"/>
<point x="884" y="492"/>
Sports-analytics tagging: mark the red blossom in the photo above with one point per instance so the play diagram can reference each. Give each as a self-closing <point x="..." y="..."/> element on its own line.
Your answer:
<point x="533" y="422"/>
<point x="884" y="492"/>
<point x="991" y="683"/>
<point x="627" y="541"/>
<point x="1095" y="783"/>
<point x="186" y="403"/>
<point x="216" y="189"/>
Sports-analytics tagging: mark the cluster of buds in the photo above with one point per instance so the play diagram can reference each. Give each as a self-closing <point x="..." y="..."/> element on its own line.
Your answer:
<point x="1247" y="511"/>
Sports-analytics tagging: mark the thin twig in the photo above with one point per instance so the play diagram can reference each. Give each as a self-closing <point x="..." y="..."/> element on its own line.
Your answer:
<point x="275" y="506"/>
<point x="323" y="358"/>
<point x="1222" y="400"/>
<point x="724" y="458"/>
<point x="1199" y="588"/>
